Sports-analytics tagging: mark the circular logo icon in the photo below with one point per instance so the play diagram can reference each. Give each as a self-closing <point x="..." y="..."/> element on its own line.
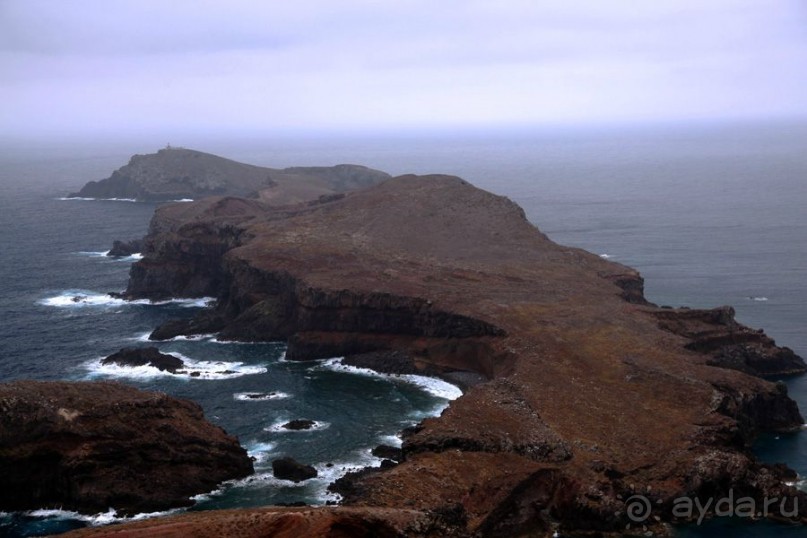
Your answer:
<point x="638" y="508"/>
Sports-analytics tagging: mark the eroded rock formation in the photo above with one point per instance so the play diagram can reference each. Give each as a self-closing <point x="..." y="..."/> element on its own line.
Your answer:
<point x="583" y="393"/>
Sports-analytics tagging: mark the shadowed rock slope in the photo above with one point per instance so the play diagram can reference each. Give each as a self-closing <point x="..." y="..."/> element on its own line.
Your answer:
<point x="589" y="394"/>
<point x="179" y="173"/>
<point x="89" y="447"/>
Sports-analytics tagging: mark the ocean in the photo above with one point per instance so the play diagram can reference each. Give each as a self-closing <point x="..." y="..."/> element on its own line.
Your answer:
<point x="710" y="215"/>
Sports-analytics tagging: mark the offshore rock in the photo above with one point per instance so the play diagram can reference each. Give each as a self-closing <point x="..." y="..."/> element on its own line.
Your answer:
<point x="299" y="424"/>
<point x="291" y="469"/>
<point x="145" y="356"/>
<point x="122" y="249"/>
<point x="89" y="447"/>
<point x="178" y="174"/>
<point x="572" y="369"/>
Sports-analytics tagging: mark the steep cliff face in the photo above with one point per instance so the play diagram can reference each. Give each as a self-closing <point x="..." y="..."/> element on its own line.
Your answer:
<point x="179" y="173"/>
<point x="89" y="447"/>
<point x="579" y="367"/>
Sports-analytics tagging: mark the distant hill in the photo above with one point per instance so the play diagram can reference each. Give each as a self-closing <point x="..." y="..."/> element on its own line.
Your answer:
<point x="178" y="173"/>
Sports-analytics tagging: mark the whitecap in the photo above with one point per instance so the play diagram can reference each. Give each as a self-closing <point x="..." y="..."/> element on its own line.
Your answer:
<point x="188" y="337"/>
<point x="392" y="440"/>
<point x="83" y="298"/>
<point x="136" y="256"/>
<point x="435" y="387"/>
<point x="143" y="337"/>
<point x="81" y="198"/>
<point x="605" y="256"/>
<point x="216" y="340"/>
<point x="95" y="520"/>
<point x="192" y="369"/>
<point x="260" y="396"/>
<point x="94" y="254"/>
<point x="198" y="302"/>
<point x="277" y="427"/>
<point x="183" y="200"/>
<point x="757" y="298"/>
<point x="260" y="451"/>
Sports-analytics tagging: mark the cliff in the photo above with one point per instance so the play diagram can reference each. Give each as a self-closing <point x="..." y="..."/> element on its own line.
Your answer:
<point x="178" y="173"/>
<point x="89" y="447"/>
<point x="584" y="394"/>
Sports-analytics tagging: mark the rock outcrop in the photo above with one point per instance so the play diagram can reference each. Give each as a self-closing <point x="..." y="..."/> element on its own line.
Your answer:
<point x="179" y="173"/>
<point x="145" y="356"/>
<point x="291" y="469"/>
<point x="89" y="447"/>
<point x="583" y="393"/>
<point x="125" y="248"/>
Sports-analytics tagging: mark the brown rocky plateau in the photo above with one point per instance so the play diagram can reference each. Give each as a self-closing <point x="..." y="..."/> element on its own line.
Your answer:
<point x="581" y="393"/>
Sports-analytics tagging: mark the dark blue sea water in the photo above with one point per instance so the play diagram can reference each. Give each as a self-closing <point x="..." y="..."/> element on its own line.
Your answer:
<point x="710" y="215"/>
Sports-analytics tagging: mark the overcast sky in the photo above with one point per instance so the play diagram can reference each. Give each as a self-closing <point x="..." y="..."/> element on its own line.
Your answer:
<point x="102" y="66"/>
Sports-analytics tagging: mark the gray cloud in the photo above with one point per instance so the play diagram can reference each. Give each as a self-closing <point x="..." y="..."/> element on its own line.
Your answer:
<point x="145" y="65"/>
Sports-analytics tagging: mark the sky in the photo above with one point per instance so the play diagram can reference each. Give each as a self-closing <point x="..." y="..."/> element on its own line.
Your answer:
<point x="94" y="67"/>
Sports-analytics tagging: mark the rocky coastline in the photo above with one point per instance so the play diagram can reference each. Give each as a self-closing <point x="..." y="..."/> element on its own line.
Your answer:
<point x="579" y="393"/>
<point x="92" y="446"/>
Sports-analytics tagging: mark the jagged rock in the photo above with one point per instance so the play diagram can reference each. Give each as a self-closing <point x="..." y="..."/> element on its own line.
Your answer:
<point x="125" y="248"/>
<point x="93" y="446"/>
<point x="291" y="469"/>
<point x="729" y="344"/>
<point x="388" y="452"/>
<point x="145" y="356"/>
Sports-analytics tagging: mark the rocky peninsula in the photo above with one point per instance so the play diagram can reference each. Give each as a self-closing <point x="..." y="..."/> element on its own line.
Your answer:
<point x="92" y="446"/>
<point x="582" y="394"/>
<point x="177" y="173"/>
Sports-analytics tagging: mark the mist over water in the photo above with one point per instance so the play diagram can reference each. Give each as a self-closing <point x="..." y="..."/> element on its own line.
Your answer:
<point x="710" y="215"/>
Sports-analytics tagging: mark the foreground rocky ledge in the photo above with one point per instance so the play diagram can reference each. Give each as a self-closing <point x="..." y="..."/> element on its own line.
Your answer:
<point x="89" y="447"/>
<point x="584" y="394"/>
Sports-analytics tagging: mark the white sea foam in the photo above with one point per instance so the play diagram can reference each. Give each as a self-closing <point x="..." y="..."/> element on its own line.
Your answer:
<point x="260" y="396"/>
<point x="83" y="298"/>
<point x="103" y="518"/>
<point x="80" y="198"/>
<point x="758" y="298"/>
<point x="193" y="369"/>
<point x="392" y="440"/>
<point x="189" y="338"/>
<point x="605" y="256"/>
<point x="260" y="451"/>
<point x="183" y="200"/>
<point x="131" y="258"/>
<point x="105" y="254"/>
<point x="278" y="427"/>
<point x="434" y="386"/>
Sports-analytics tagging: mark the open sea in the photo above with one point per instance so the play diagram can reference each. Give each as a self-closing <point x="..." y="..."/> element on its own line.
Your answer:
<point x="710" y="215"/>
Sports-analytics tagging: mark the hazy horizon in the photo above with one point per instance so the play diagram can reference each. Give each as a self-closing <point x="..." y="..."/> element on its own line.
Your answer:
<point x="192" y="70"/>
